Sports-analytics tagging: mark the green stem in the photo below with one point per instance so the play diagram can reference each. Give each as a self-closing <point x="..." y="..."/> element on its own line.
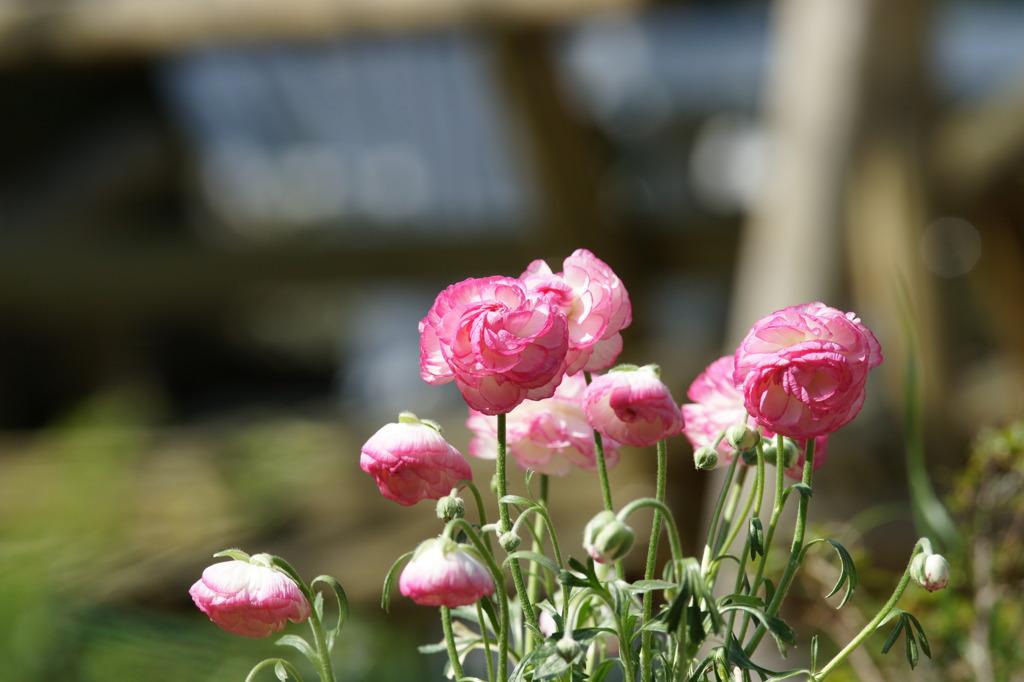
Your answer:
<point x="796" y="548"/>
<point x="486" y="641"/>
<point x="449" y="638"/>
<point x="533" y="582"/>
<point x="647" y="638"/>
<point x="871" y="626"/>
<point x="505" y="526"/>
<point x="709" y="545"/>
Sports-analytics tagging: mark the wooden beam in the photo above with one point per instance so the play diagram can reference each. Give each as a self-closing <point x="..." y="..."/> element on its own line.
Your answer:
<point x="86" y="29"/>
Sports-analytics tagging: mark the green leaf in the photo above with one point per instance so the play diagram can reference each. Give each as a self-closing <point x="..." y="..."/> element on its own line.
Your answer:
<point x="342" y="599"/>
<point x="925" y="647"/>
<point x="280" y="672"/>
<point x="848" y="571"/>
<point x="805" y="490"/>
<point x="894" y="635"/>
<point x="389" y="581"/>
<point x="777" y="628"/>
<point x="518" y="500"/>
<point x="755" y="532"/>
<point x="298" y="643"/>
<point x="536" y="558"/>
<point x="912" y="653"/>
<point x="644" y="586"/>
<point x="602" y="671"/>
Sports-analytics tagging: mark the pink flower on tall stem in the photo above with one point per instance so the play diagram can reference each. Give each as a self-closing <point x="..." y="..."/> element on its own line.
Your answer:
<point x="803" y="369"/>
<point x="718" y="404"/>
<point x="594" y="301"/>
<point x="411" y="461"/>
<point x="249" y="598"/>
<point x="499" y="344"/>
<point x="548" y="436"/>
<point x="444" y="573"/>
<point x="632" y="405"/>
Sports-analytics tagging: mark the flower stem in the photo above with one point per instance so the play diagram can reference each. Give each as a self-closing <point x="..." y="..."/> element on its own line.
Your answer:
<point x="646" y="639"/>
<point x="796" y="549"/>
<point x="506" y="525"/>
<point x="449" y="638"/>
<point x="868" y="629"/>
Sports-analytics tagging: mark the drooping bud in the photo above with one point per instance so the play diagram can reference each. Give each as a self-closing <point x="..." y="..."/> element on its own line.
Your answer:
<point x="742" y="436"/>
<point x="705" y="458"/>
<point x="606" y="538"/>
<point x="930" y="571"/>
<point x="509" y="541"/>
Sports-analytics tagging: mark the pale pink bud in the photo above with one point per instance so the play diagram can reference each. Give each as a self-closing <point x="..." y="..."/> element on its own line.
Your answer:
<point x="632" y="406"/>
<point x="445" y="573"/>
<point x="498" y="344"/>
<point x="249" y="598"/>
<point x="548" y="436"/>
<point x="802" y="370"/>
<point x="594" y="301"/>
<point x="411" y="461"/>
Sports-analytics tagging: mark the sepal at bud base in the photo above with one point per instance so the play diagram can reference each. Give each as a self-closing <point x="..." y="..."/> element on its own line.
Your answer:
<point x="451" y="507"/>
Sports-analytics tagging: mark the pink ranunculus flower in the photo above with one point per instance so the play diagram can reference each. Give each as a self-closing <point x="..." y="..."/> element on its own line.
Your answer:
<point x="411" y="461"/>
<point x="631" y="405"/>
<point x="803" y="369"/>
<point x="594" y="301"/>
<point x="548" y="436"/>
<point x="718" y="404"/>
<point x="250" y="598"/>
<point x="445" y="573"/>
<point x="499" y="344"/>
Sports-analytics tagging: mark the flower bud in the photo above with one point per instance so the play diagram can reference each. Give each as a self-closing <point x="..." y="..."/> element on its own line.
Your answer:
<point x="606" y="538"/>
<point x="568" y="649"/>
<point x="742" y="436"/>
<point x="705" y="458"/>
<point x="790" y="453"/>
<point x="509" y="541"/>
<point x="451" y="507"/>
<point x="930" y="571"/>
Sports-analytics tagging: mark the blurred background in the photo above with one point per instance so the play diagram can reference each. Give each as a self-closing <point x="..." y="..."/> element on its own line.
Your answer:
<point x="220" y="223"/>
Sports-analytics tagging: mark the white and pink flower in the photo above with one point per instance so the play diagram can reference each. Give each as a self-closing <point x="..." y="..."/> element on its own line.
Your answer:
<point x="499" y="344"/>
<point x="249" y="598"/>
<point x="442" y="572"/>
<point x="411" y="461"/>
<point x="718" y="404"/>
<point x="548" y="436"/>
<point x="632" y="406"/>
<point x="593" y="300"/>
<point x="802" y="370"/>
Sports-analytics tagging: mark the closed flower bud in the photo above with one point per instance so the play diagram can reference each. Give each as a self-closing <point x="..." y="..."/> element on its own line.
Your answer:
<point x="790" y="453"/>
<point x="742" y="437"/>
<point x="930" y="571"/>
<point x="509" y="541"/>
<point x="445" y="573"/>
<point x="705" y="458"/>
<point x="568" y="649"/>
<point x="607" y="539"/>
<point x="411" y="461"/>
<point x="451" y="507"/>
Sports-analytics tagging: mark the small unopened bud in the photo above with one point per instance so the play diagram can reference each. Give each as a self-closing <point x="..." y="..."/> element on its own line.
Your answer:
<point x="705" y="458"/>
<point x="742" y="436"/>
<point x="607" y="539"/>
<point x="451" y="507"/>
<point x="509" y="541"/>
<point x="721" y="660"/>
<point x="790" y="453"/>
<point x="930" y="571"/>
<point x="568" y="649"/>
